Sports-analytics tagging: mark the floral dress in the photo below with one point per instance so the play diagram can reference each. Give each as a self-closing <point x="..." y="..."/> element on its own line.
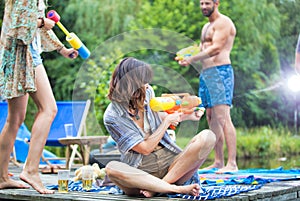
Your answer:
<point x="19" y="28"/>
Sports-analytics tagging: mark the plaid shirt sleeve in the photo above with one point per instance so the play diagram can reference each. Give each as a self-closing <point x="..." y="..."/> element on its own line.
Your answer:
<point x="122" y="130"/>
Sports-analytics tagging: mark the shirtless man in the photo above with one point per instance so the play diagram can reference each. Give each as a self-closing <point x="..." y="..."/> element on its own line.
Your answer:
<point x="217" y="81"/>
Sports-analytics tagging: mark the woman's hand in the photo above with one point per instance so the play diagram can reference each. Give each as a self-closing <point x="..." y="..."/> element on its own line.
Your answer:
<point x="174" y="118"/>
<point x="195" y="116"/>
<point x="69" y="53"/>
<point x="46" y="23"/>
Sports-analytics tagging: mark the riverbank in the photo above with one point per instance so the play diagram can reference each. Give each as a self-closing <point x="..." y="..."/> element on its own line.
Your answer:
<point x="280" y="146"/>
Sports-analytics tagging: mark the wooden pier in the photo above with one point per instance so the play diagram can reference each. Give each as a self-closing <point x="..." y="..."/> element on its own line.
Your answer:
<point x="279" y="191"/>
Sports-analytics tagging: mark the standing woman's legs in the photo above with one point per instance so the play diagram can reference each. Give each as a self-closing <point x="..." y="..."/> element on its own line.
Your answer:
<point x="47" y="109"/>
<point x="16" y="115"/>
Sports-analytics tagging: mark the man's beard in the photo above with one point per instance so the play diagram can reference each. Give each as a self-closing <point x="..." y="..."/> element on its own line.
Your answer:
<point x="209" y="12"/>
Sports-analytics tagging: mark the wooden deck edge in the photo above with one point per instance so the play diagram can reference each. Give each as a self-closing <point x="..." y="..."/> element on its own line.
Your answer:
<point x="30" y="194"/>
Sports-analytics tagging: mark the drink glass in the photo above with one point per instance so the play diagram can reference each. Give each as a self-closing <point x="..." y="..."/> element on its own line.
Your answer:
<point x="87" y="177"/>
<point x="63" y="180"/>
<point x="69" y="130"/>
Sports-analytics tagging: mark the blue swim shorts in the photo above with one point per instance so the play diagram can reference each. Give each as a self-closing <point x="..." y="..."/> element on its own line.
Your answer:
<point x="216" y="86"/>
<point x="36" y="57"/>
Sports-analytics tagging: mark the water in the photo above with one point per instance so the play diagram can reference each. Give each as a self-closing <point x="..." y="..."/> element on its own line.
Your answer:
<point x="271" y="163"/>
<point x="290" y="162"/>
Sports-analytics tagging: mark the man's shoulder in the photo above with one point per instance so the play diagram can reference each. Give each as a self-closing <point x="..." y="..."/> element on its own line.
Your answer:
<point x="226" y="18"/>
<point x="225" y="21"/>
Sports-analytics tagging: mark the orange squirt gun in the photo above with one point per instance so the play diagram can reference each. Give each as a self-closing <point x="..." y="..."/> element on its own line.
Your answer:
<point x="170" y="103"/>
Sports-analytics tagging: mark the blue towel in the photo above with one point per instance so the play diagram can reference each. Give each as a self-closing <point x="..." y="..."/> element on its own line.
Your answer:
<point x="77" y="186"/>
<point x="214" y="185"/>
<point x="213" y="192"/>
<point x="207" y="193"/>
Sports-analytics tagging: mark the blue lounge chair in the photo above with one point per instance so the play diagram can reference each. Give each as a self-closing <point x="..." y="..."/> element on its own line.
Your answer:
<point x="74" y="112"/>
<point x="69" y="112"/>
<point x="21" y="145"/>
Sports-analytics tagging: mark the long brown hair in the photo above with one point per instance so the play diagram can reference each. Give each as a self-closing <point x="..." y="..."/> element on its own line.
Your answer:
<point x="127" y="85"/>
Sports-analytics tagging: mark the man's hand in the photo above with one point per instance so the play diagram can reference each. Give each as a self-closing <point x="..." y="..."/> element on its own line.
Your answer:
<point x="184" y="62"/>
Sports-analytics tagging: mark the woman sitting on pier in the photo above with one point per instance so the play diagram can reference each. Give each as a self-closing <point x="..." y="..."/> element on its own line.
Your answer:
<point x="151" y="162"/>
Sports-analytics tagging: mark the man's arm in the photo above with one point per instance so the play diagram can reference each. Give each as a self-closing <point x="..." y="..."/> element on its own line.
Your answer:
<point x="221" y="33"/>
<point x="219" y="39"/>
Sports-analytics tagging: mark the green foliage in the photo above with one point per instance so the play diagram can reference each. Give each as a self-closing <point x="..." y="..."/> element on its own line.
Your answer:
<point x="255" y="59"/>
<point x="62" y="73"/>
<point x="94" y="81"/>
<point x="286" y="43"/>
<point x="255" y="55"/>
<point x="179" y="16"/>
<point x="267" y="32"/>
<point x="2" y="3"/>
<point x="103" y="20"/>
<point x="97" y="20"/>
<point x="259" y="142"/>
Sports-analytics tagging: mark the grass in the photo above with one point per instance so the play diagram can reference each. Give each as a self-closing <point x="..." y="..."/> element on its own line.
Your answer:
<point x="260" y="142"/>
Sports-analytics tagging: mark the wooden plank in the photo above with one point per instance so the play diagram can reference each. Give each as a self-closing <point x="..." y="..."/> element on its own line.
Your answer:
<point x="279" y="191"/>
<point x="29" y="194"/>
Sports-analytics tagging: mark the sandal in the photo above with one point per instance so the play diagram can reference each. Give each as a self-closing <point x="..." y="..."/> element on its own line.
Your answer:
<point x="56" y="168"/>
<point x="46" y="170"/>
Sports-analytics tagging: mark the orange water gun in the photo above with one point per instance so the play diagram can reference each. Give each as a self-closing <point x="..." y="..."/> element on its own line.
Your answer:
<point x="170" y="103"/>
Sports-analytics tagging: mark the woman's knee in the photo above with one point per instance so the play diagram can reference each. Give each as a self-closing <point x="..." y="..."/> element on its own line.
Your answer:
<point x="111" y="168"/>
<point x="50" y="110"/>
<point x="54" y="110"/>
<point x="207" y="137"/>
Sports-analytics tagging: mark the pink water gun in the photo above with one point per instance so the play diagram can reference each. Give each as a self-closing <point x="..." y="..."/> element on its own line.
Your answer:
<point x="72" y="39"/>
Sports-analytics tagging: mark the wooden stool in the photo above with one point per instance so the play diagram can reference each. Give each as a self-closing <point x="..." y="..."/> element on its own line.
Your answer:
<point x="84" y="144"/>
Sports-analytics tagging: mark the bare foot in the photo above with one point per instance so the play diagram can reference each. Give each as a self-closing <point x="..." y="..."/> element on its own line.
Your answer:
<point x="147" y="194"/>
<point x="227" y="169"/>
<point x="212" y="167"/>
<point x="192" y="189"/>
<point x="35" y="181"/>
<point x="8" y="183"/>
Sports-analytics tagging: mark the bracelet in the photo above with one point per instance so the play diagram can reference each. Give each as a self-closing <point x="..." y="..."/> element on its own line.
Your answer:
<point x="43" y="22"/>
<point x="59" y="49"/>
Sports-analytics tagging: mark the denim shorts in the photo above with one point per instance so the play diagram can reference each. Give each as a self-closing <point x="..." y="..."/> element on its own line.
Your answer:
<point x="36" y="57"/>
<point x="216" y="86"/>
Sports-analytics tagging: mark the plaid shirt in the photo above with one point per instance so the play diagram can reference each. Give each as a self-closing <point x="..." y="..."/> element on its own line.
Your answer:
<point x="127" y="134"/>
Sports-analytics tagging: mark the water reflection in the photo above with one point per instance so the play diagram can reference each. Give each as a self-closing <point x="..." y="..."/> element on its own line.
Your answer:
<point x="291" y="162"/>
<point x="270" y="163"/>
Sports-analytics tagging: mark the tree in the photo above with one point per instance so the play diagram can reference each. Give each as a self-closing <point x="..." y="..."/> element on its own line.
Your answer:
<point x="254" y="56"/>
<point x="262" y="55"/>
<point x="255" y="59"/>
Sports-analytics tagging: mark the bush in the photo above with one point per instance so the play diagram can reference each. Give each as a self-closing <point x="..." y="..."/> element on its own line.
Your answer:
<point x="259" y="142"/>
